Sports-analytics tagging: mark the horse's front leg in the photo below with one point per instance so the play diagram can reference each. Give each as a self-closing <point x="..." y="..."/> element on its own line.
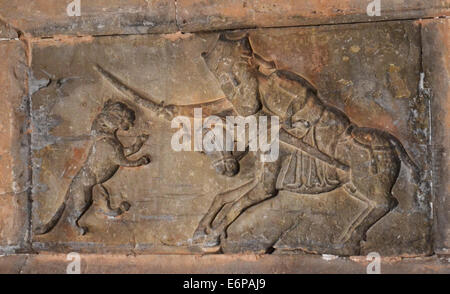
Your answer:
<point x="220" y="200"/>
<point x="263" y="188"/>
<point x="249" y="199"/>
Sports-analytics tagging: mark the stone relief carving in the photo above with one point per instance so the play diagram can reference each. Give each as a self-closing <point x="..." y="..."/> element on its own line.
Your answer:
<point x="104" y="159"/>
<point x="327" y="150"/>
<point x="323" y="150"/>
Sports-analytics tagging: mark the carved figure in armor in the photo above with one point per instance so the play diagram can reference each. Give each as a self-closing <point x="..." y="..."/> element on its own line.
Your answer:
<point x="327" y="150"/>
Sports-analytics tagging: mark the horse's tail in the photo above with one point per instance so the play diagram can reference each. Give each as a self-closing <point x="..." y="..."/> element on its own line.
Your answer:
<point x="405" y="158"/>
<point x="44" y="229"/>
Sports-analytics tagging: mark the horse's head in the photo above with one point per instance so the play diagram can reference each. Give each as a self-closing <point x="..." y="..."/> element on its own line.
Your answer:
<point x="226" y="165"/>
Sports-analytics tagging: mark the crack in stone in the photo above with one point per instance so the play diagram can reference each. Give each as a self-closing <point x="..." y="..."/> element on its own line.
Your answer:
<point x="59" y="36"/>
<point x="176" y="15"/>
<point x="27" y="257"/>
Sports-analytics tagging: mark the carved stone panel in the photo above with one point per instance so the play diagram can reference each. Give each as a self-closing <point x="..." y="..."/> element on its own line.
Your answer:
<point x="352" y="174"/>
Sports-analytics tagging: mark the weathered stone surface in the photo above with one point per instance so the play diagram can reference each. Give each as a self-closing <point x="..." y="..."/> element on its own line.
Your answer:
<point x="101" y="17"/>
<point x="87" y="162"/>
<point x="217" y="264"/>
<point x="6" y="32"/>
<point x="436" y="62"/>
<point x="98" y="17"/>
<point x="370" y="72"/>
<point x="11" y="264"/>
<point x="194" y="15"/>
<point x="13" y="146"/>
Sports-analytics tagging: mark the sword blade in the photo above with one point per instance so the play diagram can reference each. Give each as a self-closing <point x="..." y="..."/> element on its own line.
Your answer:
<point x="138" y="97"/>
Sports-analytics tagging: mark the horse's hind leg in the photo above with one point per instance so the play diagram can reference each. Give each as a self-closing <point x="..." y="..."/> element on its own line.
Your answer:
<point x="370" y="185"/>
<point x="107" y="208"/>
<point x="370" y="205"/>
<point x="376" y="208"/>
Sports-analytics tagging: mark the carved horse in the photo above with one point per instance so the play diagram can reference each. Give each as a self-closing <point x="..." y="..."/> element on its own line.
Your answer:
<point x="328" y="151"/>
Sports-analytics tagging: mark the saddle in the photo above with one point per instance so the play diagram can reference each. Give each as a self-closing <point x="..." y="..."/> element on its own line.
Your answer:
<point x="370" y="140"/>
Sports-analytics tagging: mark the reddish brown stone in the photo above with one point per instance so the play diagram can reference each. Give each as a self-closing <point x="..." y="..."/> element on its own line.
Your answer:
<point x="98" y="17"/>
<point x="218" y="264"/>
<point x="194" y="15"/>
<point x="6" y="31"/>
<point x="436" y="63"/>
<point x="13" y="146"/>
<point x="370" y="71"/>
<point x="12" y="264"/>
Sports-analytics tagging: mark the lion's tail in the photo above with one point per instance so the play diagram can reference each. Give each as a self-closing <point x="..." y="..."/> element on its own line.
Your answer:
<point x="44" y="229"/>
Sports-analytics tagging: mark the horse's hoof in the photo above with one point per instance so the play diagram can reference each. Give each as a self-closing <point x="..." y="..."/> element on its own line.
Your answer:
<point x="211" y="244"/>
<point x="212" y="241"/>
<point x="213" y="249"/>
<point x="82" y="231"/>
<point x="199" y="238"/>
<point x="199" y="235"/>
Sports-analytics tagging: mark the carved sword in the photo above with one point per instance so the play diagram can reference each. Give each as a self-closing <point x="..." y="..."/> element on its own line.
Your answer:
<point x="166" y="110"/>
<point x="289" y="139"/>
<point x="221" y="107"/>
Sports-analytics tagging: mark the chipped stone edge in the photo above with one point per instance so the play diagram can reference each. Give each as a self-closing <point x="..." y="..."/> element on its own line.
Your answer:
<point x="224" y="264"/>
<point x="178" y="24"/>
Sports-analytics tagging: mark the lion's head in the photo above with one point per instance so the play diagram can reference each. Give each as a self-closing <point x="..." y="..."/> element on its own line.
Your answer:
<point x="114" y="116"/>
